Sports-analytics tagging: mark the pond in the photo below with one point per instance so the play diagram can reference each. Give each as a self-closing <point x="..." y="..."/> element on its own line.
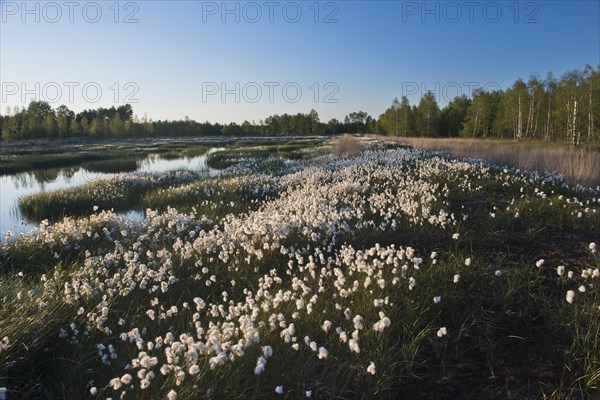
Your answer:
<point x="12" y="187"/>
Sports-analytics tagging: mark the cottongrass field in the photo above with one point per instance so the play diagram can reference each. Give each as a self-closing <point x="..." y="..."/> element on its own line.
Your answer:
<point x="380" y="272"/>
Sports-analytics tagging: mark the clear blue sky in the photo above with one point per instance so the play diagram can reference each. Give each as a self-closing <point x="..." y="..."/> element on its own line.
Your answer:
<point x="175" y="57"/>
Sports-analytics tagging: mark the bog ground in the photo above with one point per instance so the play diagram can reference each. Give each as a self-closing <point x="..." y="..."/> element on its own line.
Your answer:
<point x="308" y="269"/>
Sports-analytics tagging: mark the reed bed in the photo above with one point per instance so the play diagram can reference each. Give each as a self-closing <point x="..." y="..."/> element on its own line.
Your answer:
<point x="580" y="166"/>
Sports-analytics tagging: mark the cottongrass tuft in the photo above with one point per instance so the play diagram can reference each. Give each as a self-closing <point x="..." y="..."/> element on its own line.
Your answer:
<point x="115" y="383"/>
<point x="411" y="283"/>
<point x="126" y="379"/>
<point x="358" y="322"/>
<point x="353" y="344"/>
<point x="371" y="368"/>
<point x="323" y="353"/>
<point x="383" y="323"/>
<point x="260" y="365"/>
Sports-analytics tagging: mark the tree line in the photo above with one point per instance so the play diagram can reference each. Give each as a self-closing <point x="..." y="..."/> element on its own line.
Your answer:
<point x="39" y="120"/>
<point x="565" y="109"/>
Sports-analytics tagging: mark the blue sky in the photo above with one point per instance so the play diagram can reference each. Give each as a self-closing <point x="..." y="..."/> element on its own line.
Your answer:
<point x="235" y="61"/>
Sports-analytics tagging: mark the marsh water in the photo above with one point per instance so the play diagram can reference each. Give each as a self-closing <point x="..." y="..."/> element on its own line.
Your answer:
<point x="12" y="187"/>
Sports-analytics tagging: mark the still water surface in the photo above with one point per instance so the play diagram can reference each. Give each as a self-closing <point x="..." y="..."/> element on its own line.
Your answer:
<point x="12" y="187"/>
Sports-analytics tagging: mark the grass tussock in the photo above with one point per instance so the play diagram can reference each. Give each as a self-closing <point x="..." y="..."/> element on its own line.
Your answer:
<point x="346" y="146"/>
<point x="120" y="192"/>
<point x="579" y="166"/>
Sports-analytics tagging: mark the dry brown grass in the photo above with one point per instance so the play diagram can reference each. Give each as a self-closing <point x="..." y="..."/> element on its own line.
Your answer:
<point x="580" y="166"/>
<point x="346" y="146"/>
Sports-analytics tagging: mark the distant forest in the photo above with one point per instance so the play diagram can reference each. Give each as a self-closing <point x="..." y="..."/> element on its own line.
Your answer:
<point x="565" y="109"/>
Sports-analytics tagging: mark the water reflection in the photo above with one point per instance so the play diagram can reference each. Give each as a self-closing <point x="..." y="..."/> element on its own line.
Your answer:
<point x="40" y="178"/>
<point x="113" y="166"/>
<point x="12" y="187"/>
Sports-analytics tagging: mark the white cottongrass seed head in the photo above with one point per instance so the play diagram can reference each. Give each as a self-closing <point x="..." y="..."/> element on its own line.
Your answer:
<point x="126" y="379"/>
<point x="323" y="353"/>
<point x="371" y="368"/>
